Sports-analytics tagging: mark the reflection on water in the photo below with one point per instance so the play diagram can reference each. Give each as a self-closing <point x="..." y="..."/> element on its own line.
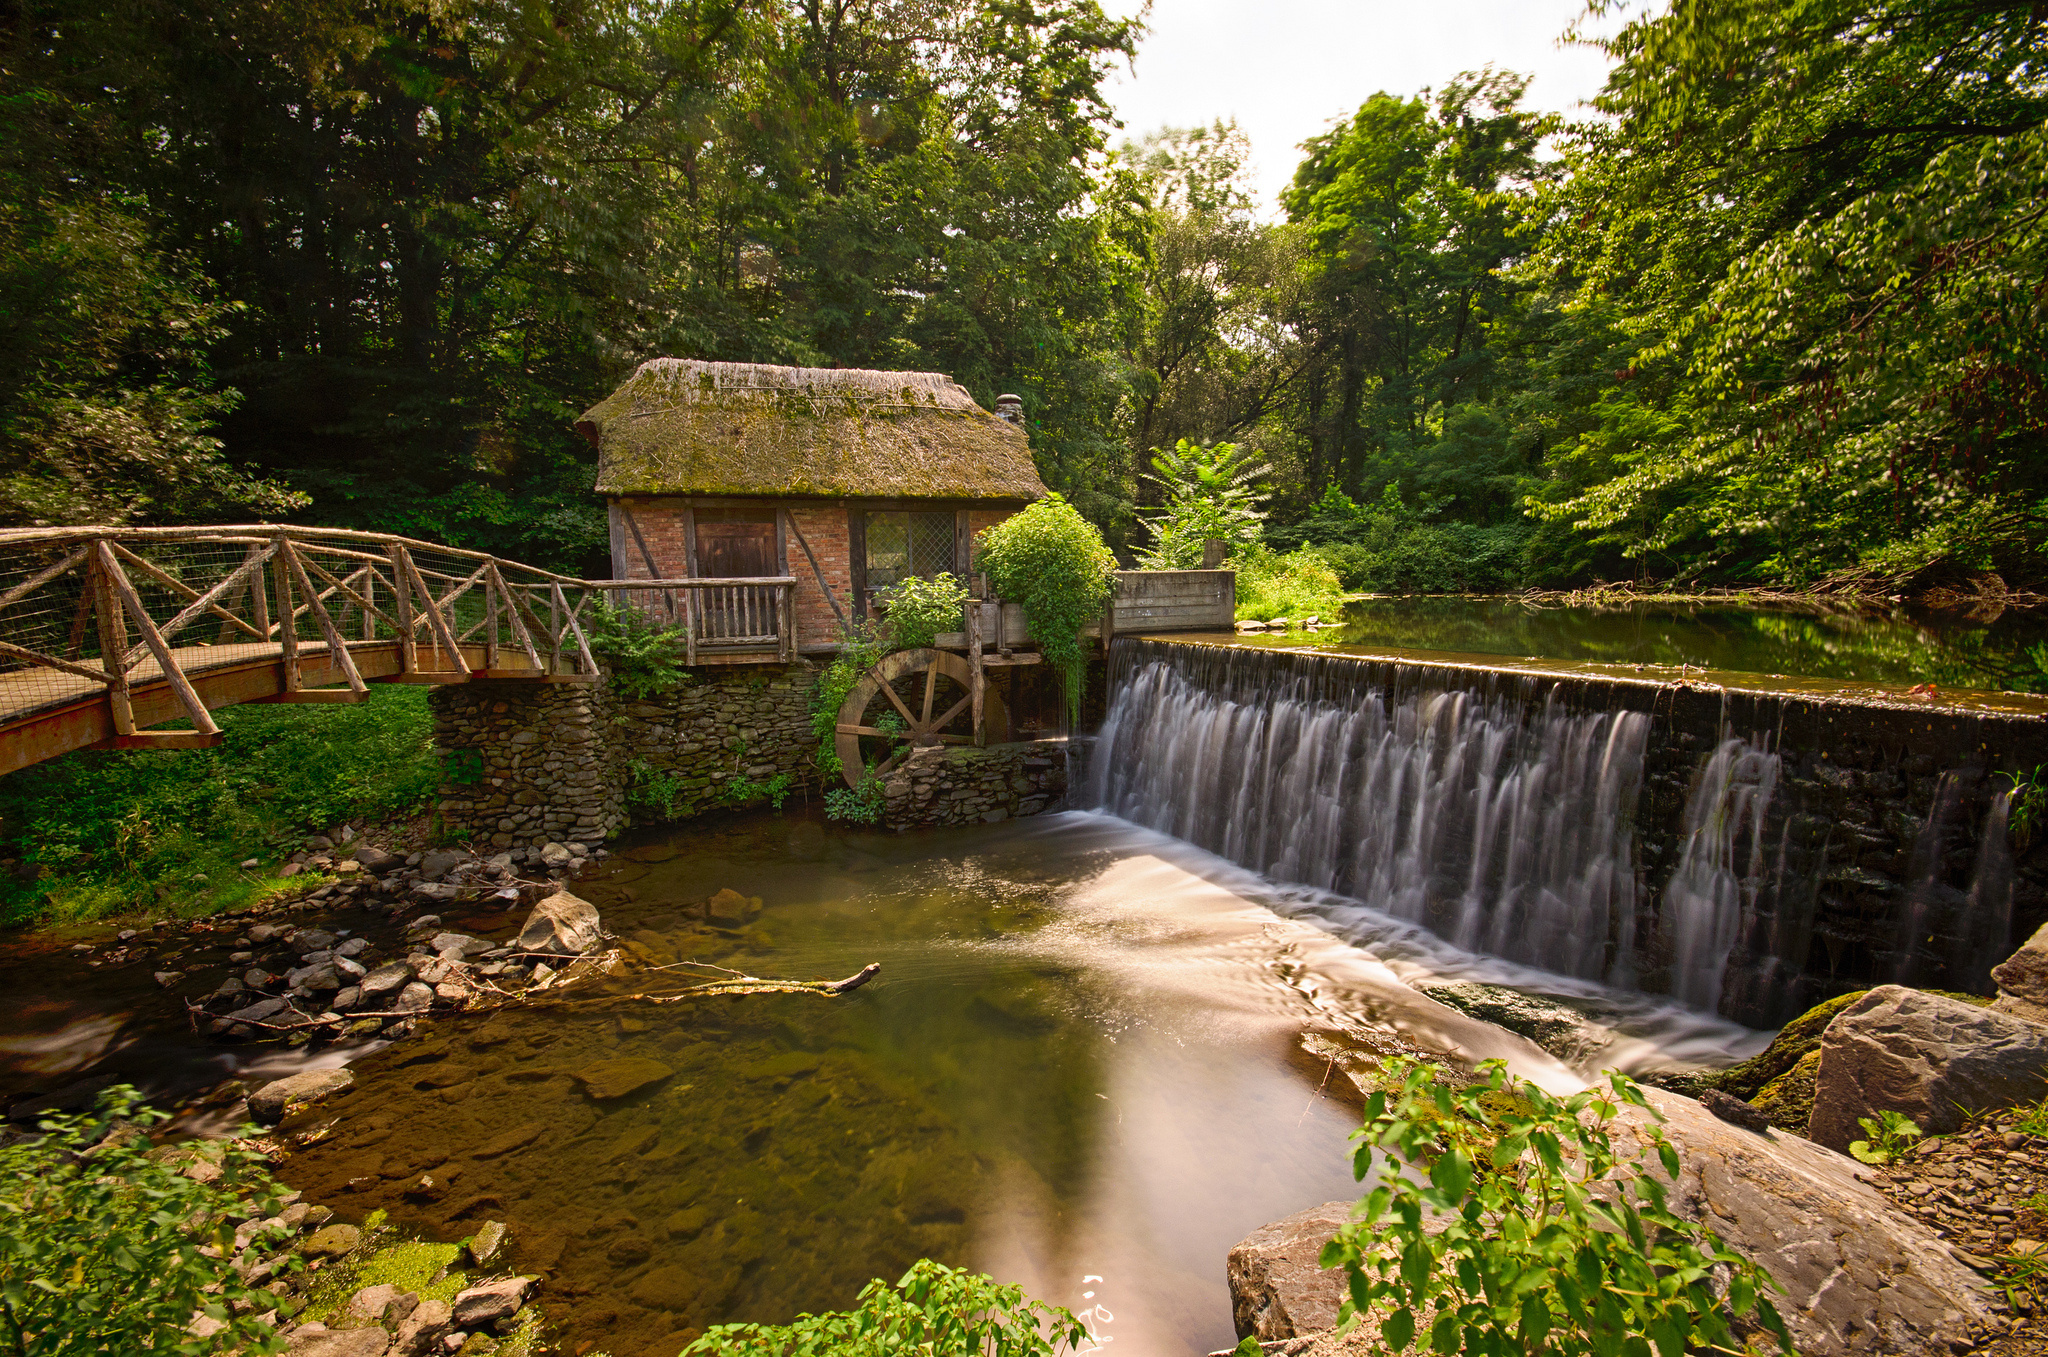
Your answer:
<point x="1079" y="1068"/>
<point x="1997" y="649"/>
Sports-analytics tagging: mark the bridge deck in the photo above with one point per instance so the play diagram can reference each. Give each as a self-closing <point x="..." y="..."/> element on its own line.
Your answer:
<point x="44" y="712"/>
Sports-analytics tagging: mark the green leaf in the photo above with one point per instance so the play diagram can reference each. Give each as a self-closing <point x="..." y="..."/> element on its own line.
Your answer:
<point x="1398" y="1330"/>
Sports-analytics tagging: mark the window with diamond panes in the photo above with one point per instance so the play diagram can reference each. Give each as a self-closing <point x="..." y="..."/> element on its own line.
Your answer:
<point x="904" y="544"/>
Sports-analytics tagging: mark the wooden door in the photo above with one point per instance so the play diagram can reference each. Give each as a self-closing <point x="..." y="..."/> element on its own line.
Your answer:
<point x="736" y="550"/>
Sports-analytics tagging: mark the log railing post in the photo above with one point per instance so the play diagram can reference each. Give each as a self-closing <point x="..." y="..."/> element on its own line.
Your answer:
<point x="188" y="696"/>
<point x="490" y="625"/>
<point x="401" y="598"/>
<point x="977" y="675"/>
<point x="287" y="618"/>
<point x="113" y="640"/>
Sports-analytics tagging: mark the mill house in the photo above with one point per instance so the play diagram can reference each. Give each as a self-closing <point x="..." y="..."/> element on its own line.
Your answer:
<point x="767" y="506"/>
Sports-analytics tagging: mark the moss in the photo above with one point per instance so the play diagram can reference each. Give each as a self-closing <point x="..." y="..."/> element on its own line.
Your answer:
<point x="680" y="427"/>
<point x="409" y="1265"/>
<point x="1788" y="1099"/>
<point x="1792" y="1043"/>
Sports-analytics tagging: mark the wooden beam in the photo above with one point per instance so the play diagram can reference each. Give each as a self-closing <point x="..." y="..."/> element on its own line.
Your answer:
<point x="169" y="739"/>
<point x="178" y="586"/>
<point x="401" y="592"/>
<point x="339" y="697"/>
<point x="514" y="605"/>
<point x="113" y="642"/>
<point x="588" y="661"/>
<point x="435" y="611"/>
<point x="369" y="609"/>
<point x="336" y="646"/>
<point x="287" y="617"/>
<point x="204" y="602"/>
<point x="182" y="686"/>
<point x="43" y="577"/>
<point x="52" y="662"/>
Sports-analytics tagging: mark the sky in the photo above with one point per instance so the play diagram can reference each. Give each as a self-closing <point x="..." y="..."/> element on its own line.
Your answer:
<point x="1285" y="69"/>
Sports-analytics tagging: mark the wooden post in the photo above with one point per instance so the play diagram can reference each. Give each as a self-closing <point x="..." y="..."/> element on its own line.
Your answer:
<point x="337" y="648"/>
<point x="689" y="625"/>
<point x="401" y="591"/>
<point x="287" y="618"/>
<point x="490" y="626"/>
<point x="113" y="640"/>
<point x="554" y="628"/>
<point x="259" y="603"/>
<point x="370" y="597"/>
<point x="785" y="618"/>
<point x="165" y="659"/>
<point x="977" y="675"/>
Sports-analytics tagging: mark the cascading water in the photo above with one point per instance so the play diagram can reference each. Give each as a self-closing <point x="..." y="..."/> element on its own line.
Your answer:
<point x="1720" y="867"/>
<point x="1501" y="824"/>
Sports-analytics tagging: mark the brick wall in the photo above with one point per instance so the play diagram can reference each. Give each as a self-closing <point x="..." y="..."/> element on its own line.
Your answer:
<point x="824" y="527"/>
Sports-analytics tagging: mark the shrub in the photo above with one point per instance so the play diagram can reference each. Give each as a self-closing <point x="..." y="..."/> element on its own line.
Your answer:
<point x="932" y="1311"/>
<point x="99" y="1250"/>
<point x="1209" y="493"/>
<point x="859" y="650"/>
<point x="1053" y="562"/>
<point x="919" y="609"/>
<point x="644" y="658"/>
<point x="1524" y="1230"/>
<point x="1296" y="585"/>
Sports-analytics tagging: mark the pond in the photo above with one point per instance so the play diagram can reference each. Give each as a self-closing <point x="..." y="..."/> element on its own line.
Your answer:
<point x="1080" y="1068"/>
<point x="1986" y="647"/>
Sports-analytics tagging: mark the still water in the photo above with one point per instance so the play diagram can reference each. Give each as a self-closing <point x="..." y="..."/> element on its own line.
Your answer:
<point x="1985" y="647"/>
<point x="1081" y="1068"/>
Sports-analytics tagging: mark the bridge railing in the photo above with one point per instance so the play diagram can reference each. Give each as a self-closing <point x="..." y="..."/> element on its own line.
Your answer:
<point x="94" y="613"/>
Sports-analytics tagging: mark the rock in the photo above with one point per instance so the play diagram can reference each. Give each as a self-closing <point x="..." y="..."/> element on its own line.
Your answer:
<point x="414" y="998"/>
<point x="2024" y="974"/>
<point x="437" y="892"/>
<point x="563" y="923"/>
<point x="1249" y="624"/>
<point x="1278" y="1288"/>
<point x="261" y="1011"/>
<point x="332" y="1241"/>
<point x="258" y="978"/>
<point x="484" y="1245"/>
<point x="387" y="1306"/>
<point x="423" y="1329"/>
<point x="492" y="1301"/>
<point x="265" y="932"/>
<point x="519" y="1137"/>
<point x="1860" y="1276"/>
<point x="438" y="862"/>
<point x="380" y="984"/>
<point x="274" y="1101"/>
<point x="319" y="979"/>
<point x="1795" y="1040"/>
<point x="312" y="940"/>
<point x="1925" y="1056"/>
<point x="1734" y="1110"/>
<point x="317" y="1340"/>
<point x="376" y="859"/>
<point x="461" y="944"/>
<point x="730" y="907"/>
<point x="354" y="947"/>
<point x="554" y="855"/>
<point x="616" y="1078"/>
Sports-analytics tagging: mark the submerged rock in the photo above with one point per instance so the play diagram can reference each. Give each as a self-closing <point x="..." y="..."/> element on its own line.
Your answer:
<point x="563" y="923"/>
<point x="616" y="1078"/>
<point x="274" y="1101"/>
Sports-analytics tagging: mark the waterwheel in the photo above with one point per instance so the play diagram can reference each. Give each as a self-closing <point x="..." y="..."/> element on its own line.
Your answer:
<point x="914" y="699"/>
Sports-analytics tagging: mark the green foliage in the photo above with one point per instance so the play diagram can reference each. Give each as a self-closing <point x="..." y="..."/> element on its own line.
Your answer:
<point x="932" y="1310"/>
<point x="643" y="658"/>
<point x="741" y="791"/>
<point x="861" y="804"/>
<point x="98" y="1248"/>
<point x="1052" y="561"/>
<point x="1299" y="584"/>
<point x="1486" y="1234"/>
<point x="1210" y="492"/>
<point x="2027" y="810"/>
<point x="919" y="609"/>
<point x="99" y="831"/>
<point x="1891" y="1135"/>
<point x="652" y="793"/>
<point x="859" y="651"/>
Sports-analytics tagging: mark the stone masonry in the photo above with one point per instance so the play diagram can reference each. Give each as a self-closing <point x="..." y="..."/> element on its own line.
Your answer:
<point x="526" y="763"/>
<point x="960" y="785"/>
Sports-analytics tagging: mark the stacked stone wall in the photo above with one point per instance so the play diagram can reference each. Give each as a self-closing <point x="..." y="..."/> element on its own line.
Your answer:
<point x="962" y="785"/>
<point x="690" y="747"/>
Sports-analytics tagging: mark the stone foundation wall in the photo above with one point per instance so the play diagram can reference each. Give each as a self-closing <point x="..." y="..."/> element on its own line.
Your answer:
<point x="962" y="785"/>
<point x="532" y="763"/>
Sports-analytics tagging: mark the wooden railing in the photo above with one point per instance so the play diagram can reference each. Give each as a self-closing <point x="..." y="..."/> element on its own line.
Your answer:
<point x="99" y="615"/>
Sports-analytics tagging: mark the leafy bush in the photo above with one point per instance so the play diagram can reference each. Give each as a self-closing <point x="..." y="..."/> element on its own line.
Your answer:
<point x="1525" y="1230"/>
<point x="932" y="1311"/>
<point x="1389" y="547"/>
<point x="919" y="609"/>
<point x="861" y="804"/>
<point x="652" y="793"/>
<point x="743" y="790"/>
<point x="98" y="1248"/>
<point x="1891" y="1135"/>
<point x="645" y="659"/>
<point x="1296" y="585"/>
<point x="1052" y="561"/>
<point x="102" y="830"/>
<point x="859" y="650"/>
<point x="1209" y="493"/>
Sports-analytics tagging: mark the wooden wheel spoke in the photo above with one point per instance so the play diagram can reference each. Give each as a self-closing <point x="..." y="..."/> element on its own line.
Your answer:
<point x="951" y="712"/>
<point x="890" y="689"/>
<point x="931" y="686"/>
<point x="845" y="729"/>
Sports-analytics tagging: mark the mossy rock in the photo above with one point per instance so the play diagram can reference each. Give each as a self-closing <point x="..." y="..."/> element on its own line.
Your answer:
<point x="1793" y="1042"/>
<point x="1788" y="1099"/>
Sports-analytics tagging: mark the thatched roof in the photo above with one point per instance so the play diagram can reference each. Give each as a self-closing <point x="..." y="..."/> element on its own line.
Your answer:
<point x="681" y="427"/>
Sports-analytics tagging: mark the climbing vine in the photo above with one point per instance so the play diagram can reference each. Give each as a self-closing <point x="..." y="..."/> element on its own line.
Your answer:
<point x="1052" y="561"/>
<point x="860" y="649"/>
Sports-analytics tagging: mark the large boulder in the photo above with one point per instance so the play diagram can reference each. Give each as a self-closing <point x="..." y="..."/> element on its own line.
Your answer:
<point x="563" y="923"/>
<point x="1278" y="1289"/>
<point x="2023" y="979"/>
<point x="1859" y="1276"/>
<point x="1923" y="1055"/>
<point x="274" y="1101"/>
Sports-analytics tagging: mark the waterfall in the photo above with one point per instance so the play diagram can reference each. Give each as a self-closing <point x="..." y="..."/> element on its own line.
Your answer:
<point x="1720" y="866"/>
<point x="1500" y="822"/>
<point x="1951" y="938"/>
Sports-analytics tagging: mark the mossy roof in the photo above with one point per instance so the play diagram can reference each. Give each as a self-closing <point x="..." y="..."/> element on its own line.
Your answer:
<point x="678" y="426"/>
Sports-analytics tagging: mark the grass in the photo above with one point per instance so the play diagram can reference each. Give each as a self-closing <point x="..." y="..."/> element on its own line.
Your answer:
<point x="101" y="832"/>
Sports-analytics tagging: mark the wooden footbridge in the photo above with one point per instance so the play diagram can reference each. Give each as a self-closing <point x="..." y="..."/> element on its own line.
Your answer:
<point x="108" y="632"/>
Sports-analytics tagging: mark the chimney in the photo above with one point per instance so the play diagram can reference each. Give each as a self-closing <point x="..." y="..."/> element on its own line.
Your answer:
<point x="1011" y="408"/>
